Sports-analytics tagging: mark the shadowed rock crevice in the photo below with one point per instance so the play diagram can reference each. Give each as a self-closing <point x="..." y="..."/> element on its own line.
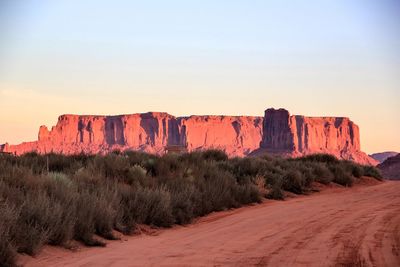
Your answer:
<point x="173" y="136"/>
<point x="114" y="133"/>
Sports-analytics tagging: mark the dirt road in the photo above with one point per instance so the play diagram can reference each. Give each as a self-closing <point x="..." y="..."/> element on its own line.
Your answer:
<point x="339" y="227"/>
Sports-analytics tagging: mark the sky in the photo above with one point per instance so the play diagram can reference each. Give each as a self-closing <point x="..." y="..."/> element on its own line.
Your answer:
<point x="237" y="57"/>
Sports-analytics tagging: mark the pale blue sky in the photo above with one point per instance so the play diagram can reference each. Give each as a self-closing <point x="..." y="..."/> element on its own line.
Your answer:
<point x="326" y="57"/>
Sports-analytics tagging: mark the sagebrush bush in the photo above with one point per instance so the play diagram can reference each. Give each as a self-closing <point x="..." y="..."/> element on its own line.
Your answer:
<point x="152" y="207"/>
<point x="371" y="172"/>
<point x="213" y="154"/>
<point x="341" y="176"/>
<point x="126" y="220"/>
<point x="322" y="173"/>
<point x="357" y="171"/>
<point x="85" y="224"/>
<point x="52" y="199"/>
<point x="294" y="182"/>
<point x="60" y="191"/>
<point x="41" y="220"/>
<point x="107" y="203"/>
<point x="185" y="196"/>
<point x="326" y="158"/>
<point x="276" y="192"/>
<point x="8" y="223"/>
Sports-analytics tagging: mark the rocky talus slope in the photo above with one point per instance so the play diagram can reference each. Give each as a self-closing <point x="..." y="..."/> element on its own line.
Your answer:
<point x="390" y="168"/>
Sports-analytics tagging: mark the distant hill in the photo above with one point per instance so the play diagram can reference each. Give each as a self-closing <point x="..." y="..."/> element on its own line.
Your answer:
<point x="390" y="168"/>
<point x="381" y="157"/>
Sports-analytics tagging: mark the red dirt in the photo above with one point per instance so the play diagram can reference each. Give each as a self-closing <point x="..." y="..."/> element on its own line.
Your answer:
<point x="359" y="226"/>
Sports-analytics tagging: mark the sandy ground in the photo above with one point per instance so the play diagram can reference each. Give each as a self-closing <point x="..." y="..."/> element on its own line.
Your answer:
<point x="338" y="227"/>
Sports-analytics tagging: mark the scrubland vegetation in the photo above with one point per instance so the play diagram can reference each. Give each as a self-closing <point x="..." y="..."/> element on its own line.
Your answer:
<point x="53" y="199"/>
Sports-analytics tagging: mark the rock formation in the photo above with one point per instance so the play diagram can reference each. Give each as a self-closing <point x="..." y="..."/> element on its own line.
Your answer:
<point x="382" y="156"/>
<point x="277" y="132"/>
<point x="299" y="135"/>
<point x="390" y="168"/>
<point x="150" y="132"/>
<point x="237" y="136"/>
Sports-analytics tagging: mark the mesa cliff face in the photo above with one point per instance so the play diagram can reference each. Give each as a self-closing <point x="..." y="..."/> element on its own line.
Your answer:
<point x="299" y="135"/>
<point x="237" y="136"/>
<point x="277" y="132"/>
<point x="149" y="132"/>
<point x="93" y="134"/>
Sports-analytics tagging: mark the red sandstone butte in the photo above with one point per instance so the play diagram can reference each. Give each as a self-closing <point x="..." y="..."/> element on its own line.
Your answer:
<point x="277" y="132"/>
<point x="299" y="135"/>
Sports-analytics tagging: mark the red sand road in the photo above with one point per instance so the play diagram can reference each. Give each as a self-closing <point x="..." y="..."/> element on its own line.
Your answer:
<point x="339" y="227"/>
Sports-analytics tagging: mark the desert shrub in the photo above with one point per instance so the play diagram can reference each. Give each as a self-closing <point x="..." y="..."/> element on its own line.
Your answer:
<point x="111" y="165"/>
<point x="217" y="190"/>
<point x="308" y="174"/>
<point x="294" y="182"/>
<point x="153" y="207"/>
<point x="184" y="197"/>
<point x="216" y="155"/>
<point x="249" y="166"/>
<point x="60" y="190"/>
<point x="371" y="172"/>
<point x="33" y="161"/>
<point x="125" y="218"/>
<point x="59" y="178"/>
<point x="247" y="193"/>
<point x="326" y="158"/>
<point x="101" y="201"/>
<point x="273" y="176"/>
<point x="107" y="205"/>
<point x="191" y="158"/>
<point x="58" y="163"/>
<point x="357" y="171"/>
<point x="41" y="219"/>
<point x="261" y="185"/>
<point x="136" y="176"/>
<point x="138" y="158"/>
<point x="8" y="227"/>
<point x="165" y="167"/>
<point x="341" y="176"/>
<point x="322" y="173"/>
<point x="85" y="225"/>
<point x="276" y="192"/>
